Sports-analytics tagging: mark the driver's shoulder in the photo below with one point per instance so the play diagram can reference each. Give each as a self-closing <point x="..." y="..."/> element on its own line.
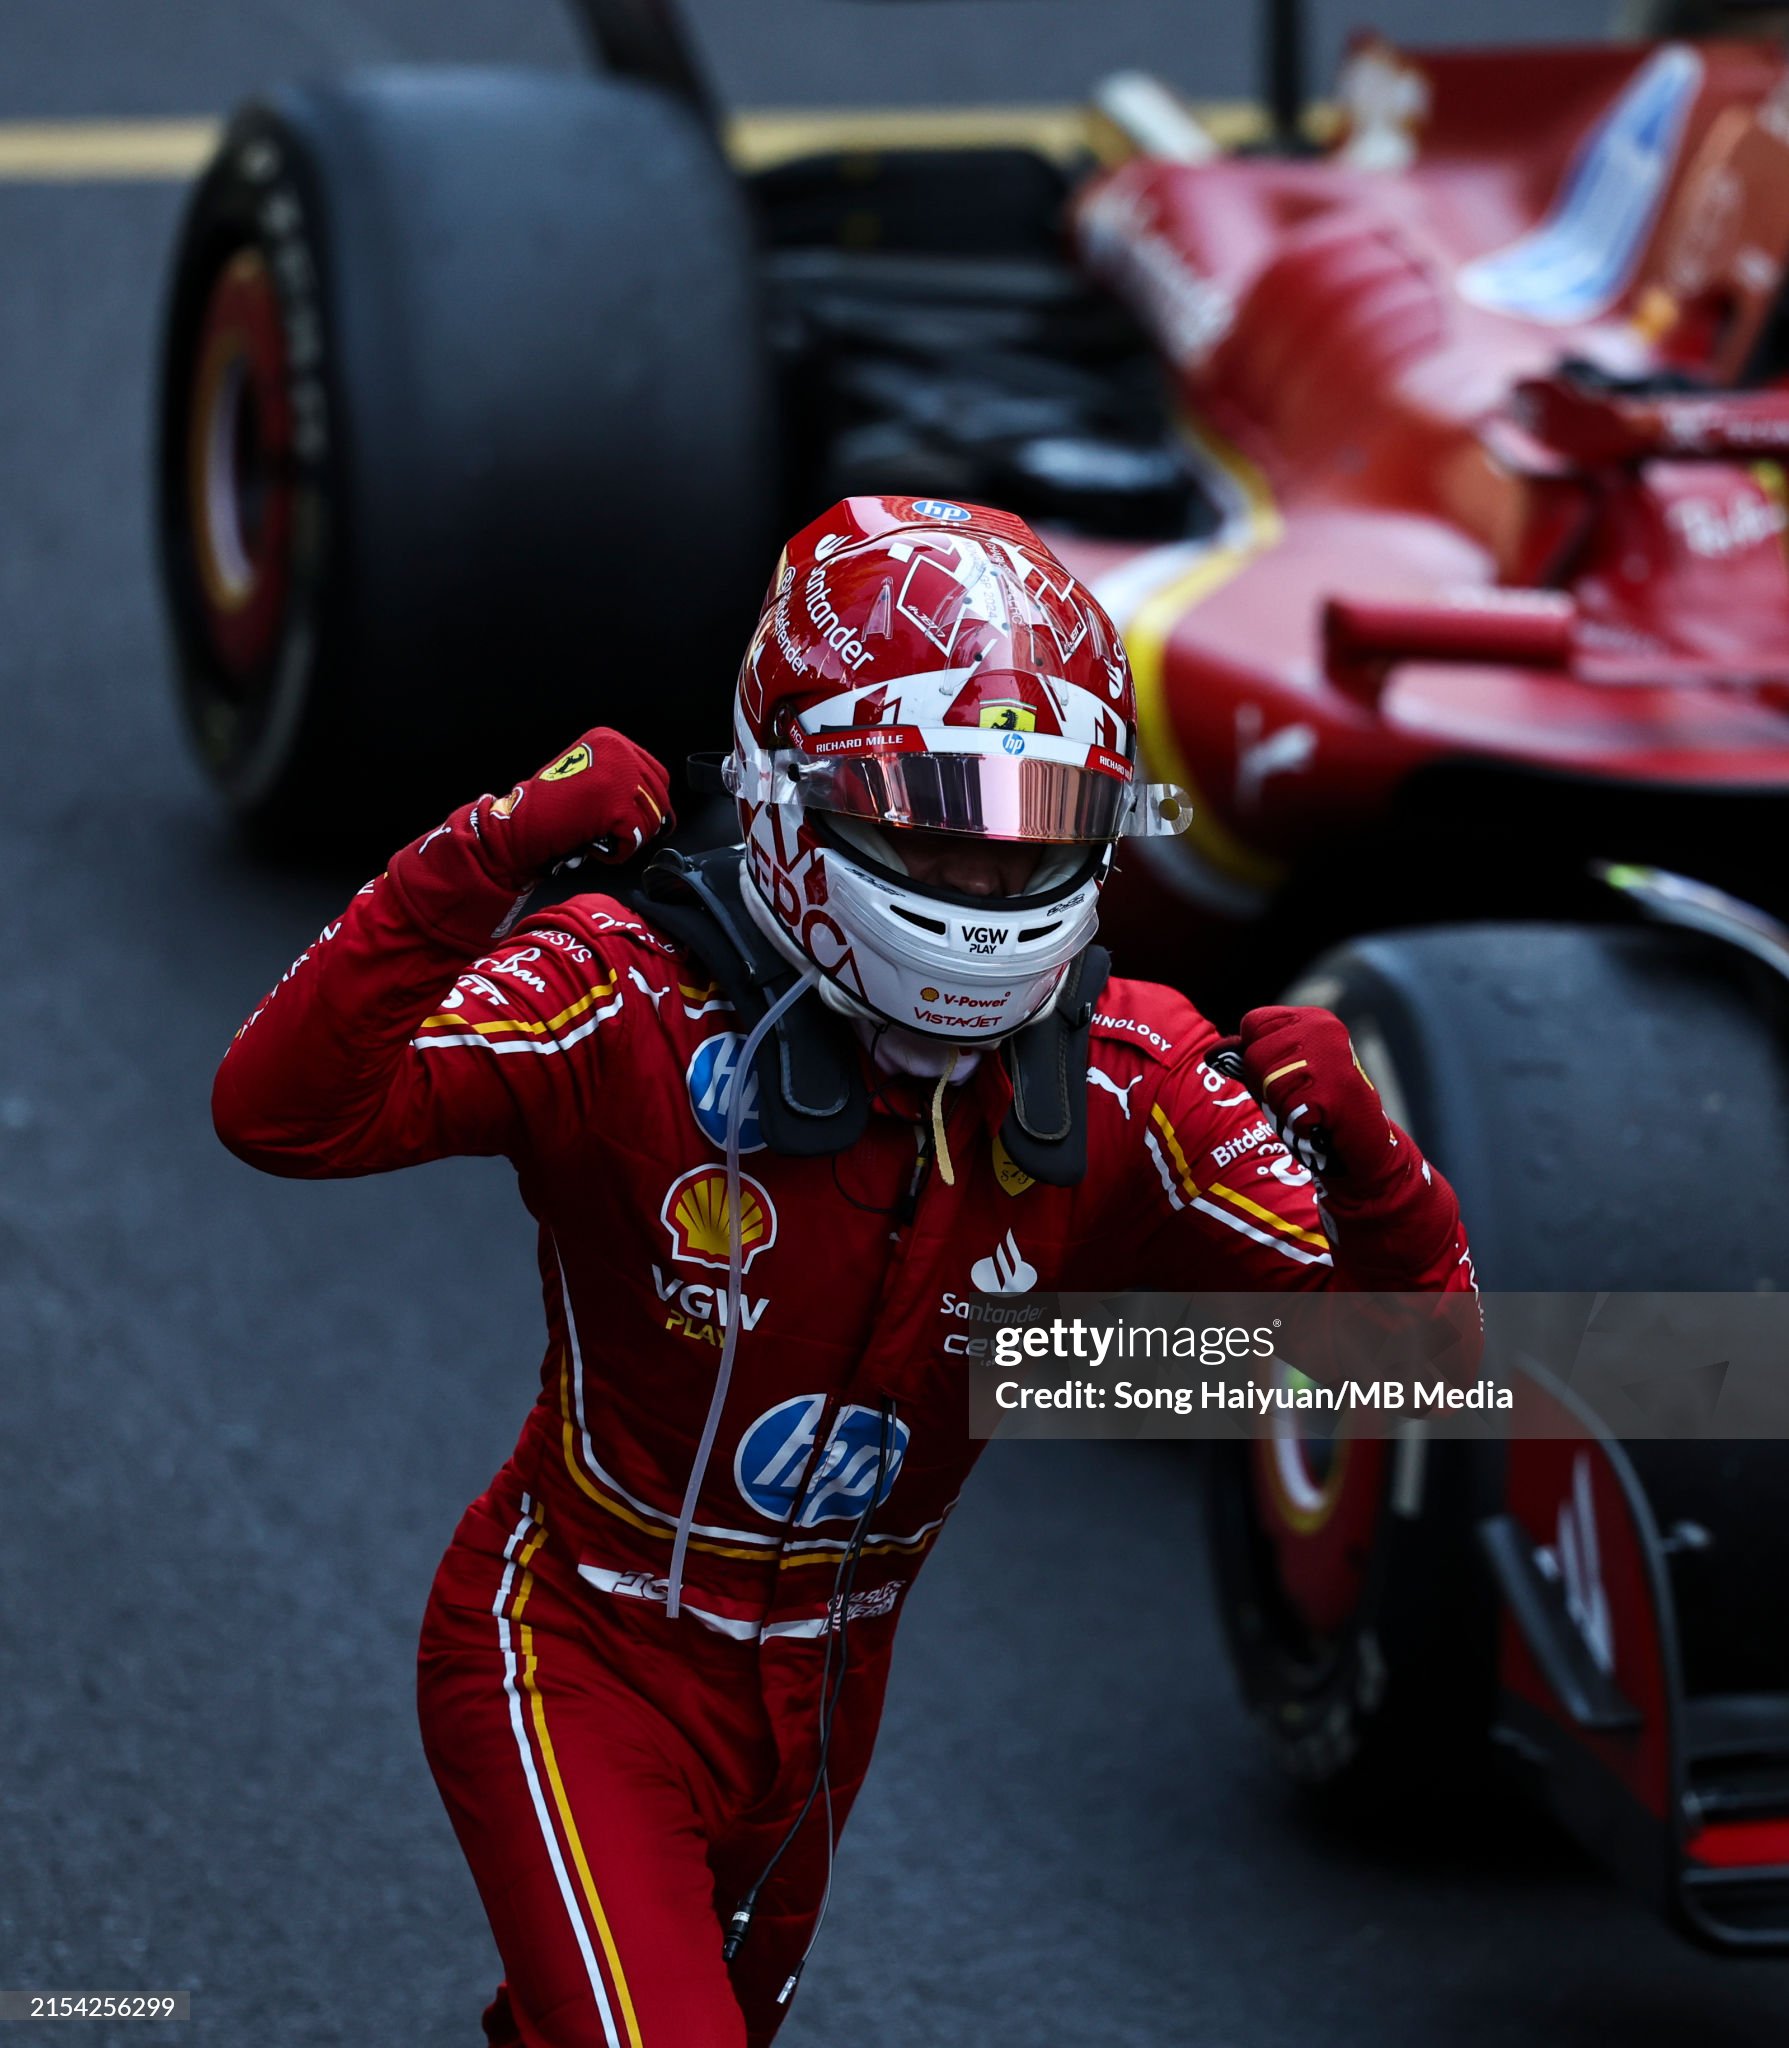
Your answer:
<point x="593" y="927"/>
<point x="597" y="942"/>
<point x="1147" y="1025"/>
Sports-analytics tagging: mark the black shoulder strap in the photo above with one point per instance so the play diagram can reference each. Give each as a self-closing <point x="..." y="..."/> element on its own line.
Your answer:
<point x="1045" y="1132"/>
<point x="811" y="1097"/>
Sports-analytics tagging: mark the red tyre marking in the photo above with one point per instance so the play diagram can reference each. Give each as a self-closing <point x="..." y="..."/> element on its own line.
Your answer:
<point x="239" y="466"/>
<point x="1320" y="1526"/>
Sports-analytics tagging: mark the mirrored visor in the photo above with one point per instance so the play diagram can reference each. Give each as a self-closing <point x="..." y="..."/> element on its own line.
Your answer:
<point x="984" y="795"/>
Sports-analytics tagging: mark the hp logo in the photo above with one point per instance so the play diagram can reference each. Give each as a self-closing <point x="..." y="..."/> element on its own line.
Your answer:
<point x="713" y="1075"/>
<point x="771" y="1464"/>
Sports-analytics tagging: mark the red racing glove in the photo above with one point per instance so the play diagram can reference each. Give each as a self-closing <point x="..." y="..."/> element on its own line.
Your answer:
<point x="1301" y="1065"/>
<point x="603" y="797"/>
<point x="1401" y="1228"/>
<point x="470" y="878"/>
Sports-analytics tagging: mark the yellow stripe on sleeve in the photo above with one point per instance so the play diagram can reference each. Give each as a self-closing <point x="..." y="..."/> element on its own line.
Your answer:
<point x="533" y="1026"/>
<point x="1280" y="1223"/>
<point x="1159" y="1117"/>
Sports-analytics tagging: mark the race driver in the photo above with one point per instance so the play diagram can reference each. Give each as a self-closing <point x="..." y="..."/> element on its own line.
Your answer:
<point x="781" y="1120"/>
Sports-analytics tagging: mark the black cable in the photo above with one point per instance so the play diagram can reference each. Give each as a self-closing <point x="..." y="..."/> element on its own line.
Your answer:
<point x="877" y="1035"/>
<point x="869" y="1208"/>
<point x="839" y="1605"/>
<point x="902" y="1207"/>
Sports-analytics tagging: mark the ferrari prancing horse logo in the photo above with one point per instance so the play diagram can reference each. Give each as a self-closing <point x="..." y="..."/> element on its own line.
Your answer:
<point x="1008" y="718"/>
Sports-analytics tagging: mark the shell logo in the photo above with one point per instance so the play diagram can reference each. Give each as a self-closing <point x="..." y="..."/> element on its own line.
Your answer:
<point x="928" y="995"/>
<point x="695" y="1213"/>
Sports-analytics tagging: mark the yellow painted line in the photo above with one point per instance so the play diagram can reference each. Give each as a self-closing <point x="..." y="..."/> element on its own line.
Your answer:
<point x="58" y="152"/>
<point x="771" y="136"/>
<point x="96" y="151"/>
<point x="768" y="135"/>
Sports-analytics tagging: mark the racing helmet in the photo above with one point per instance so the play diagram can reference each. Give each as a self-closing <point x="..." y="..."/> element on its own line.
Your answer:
<point x="926" y="666"/>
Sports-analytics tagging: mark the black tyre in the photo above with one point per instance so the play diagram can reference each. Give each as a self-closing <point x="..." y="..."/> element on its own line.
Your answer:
<point x="1591" y="1094"/>
<point x="1359" y="1624"/>
<point x="1588" y="1093"/>
<point x="465" y="440"/>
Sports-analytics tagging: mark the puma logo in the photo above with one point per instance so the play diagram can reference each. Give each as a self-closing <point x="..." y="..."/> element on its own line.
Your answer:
<point x="1105" y="1081"/>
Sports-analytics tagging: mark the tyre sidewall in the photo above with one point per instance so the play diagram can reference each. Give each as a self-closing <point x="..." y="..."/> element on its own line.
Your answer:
<point x="537" y="490"/>
<point x="254" y="196"/>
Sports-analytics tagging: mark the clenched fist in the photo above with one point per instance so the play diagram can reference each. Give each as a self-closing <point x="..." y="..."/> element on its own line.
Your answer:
<point x="1301" y="1065"/>
<point x="603" y="797"/>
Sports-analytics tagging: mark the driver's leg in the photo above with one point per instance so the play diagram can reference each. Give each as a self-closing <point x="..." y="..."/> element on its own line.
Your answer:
<point x="581" y="1811"/>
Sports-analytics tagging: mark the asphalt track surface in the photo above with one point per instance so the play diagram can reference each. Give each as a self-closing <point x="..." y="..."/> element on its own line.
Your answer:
<point x="238" y="1417"/>
<point x="67" y="58"/>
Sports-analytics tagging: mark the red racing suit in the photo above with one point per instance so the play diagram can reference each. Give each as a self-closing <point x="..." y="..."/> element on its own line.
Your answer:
<point x="616" y="1777"/>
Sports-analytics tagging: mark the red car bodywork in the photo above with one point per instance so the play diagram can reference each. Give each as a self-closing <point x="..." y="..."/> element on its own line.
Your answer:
<point x="1491" y="402"/>
<point x="1432" y="547"/>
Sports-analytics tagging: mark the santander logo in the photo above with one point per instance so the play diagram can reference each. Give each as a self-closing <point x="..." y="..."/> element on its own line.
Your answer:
<point x="1005" y="1270"/>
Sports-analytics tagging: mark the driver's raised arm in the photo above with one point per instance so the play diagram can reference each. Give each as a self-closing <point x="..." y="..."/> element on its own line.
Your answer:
<point x="412" y="1029"/>
<point x="1293" y="1176"/>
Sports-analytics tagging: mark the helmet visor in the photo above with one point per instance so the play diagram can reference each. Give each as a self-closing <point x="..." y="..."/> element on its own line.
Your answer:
<point x="1069" y="792"/>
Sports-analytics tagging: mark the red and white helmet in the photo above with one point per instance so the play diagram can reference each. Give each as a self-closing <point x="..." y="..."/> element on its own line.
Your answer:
<point x="932" y="665"/>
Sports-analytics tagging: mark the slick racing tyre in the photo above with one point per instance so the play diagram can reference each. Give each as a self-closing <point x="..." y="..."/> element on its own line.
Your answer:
<point x="461" y="371"/>
<point x="1334" y="1558"/>
<point x="1591" y="1094"/>
<point x="1610" y="1104"/>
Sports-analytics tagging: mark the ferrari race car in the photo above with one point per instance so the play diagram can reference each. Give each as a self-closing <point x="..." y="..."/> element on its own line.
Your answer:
<point x="1431" y="459"/>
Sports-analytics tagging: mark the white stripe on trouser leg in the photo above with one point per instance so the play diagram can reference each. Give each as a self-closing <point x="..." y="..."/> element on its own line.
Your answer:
<point x="505" y="1627"/>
